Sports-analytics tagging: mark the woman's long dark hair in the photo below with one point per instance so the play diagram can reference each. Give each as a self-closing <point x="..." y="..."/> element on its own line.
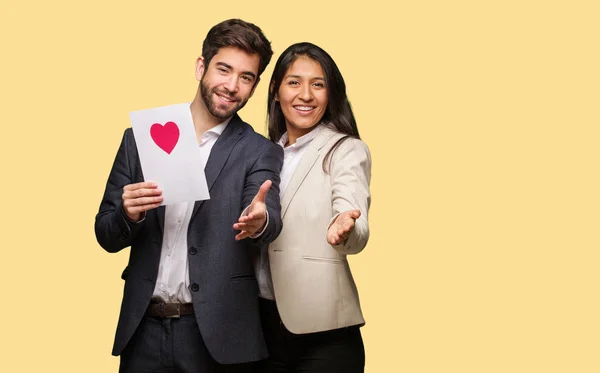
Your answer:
<point x="338" y="112"/>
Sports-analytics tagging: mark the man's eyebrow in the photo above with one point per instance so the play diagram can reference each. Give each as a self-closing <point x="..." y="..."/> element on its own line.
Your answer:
<point x="253" y="75"/>
<point x="224" y="65"/>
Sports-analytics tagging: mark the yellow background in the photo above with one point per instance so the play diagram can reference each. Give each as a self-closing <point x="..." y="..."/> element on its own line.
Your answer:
<point x="482" y="118"/>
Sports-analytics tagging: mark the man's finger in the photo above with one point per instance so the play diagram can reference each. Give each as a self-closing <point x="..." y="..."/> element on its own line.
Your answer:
<point x="256" y="215"/>
<point x="240" y="226"/>
<point x="242" y="235"/>
<point x="143" y="192"/>
<point x="248" y="225"/>
<point x="143" y="208"/>
<point x="139" y="193"/>
<point x="262" y="191"/>
<point x="145" y="184"/>
<point x="142" y="201"/>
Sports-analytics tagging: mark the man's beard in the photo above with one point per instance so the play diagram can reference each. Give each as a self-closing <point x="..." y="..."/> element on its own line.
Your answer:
<point x="207" y="96"/>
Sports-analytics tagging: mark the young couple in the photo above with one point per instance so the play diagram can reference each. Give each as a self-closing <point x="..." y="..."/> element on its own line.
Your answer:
<point x="256" y="278"/>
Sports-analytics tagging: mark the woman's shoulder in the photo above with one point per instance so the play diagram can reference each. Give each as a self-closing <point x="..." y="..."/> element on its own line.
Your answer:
<point x="349" y="143"/>
<point x="343" y="149"/>
<point x="328" y="130"/>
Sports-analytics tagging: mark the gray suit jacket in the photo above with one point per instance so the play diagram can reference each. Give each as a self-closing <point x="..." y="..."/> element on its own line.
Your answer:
<point x="223" y="286"/>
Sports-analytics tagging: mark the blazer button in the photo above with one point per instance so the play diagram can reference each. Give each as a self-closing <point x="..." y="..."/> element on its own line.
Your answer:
<point x="193" y="250"/>
<point x="195" y="287"/>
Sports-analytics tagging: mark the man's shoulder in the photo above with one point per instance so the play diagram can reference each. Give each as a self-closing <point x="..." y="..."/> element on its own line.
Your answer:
<point x="249" y="132"/>
<point x="127" y="139"/>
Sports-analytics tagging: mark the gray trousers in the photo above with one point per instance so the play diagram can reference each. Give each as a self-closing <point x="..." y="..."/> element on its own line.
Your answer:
<point x="172" y="345"/>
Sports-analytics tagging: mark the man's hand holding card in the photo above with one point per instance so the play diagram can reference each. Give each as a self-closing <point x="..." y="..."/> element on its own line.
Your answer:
<point x="139" y="198"/>
<point x="171" y="161"/>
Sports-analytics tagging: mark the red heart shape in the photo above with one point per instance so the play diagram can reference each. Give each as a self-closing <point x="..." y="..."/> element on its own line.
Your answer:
<point x="166" y="136"/>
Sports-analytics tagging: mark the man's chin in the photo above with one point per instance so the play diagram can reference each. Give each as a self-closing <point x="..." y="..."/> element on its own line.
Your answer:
<point x="222" y="114"/>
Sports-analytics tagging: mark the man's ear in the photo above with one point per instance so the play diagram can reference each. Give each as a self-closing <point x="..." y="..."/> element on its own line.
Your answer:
<point x="255" y="85"/>
<point x="199" y="68"/>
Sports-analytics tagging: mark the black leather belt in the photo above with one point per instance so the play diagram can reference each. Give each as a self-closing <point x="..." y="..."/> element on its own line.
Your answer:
<point x="170" y="310"/>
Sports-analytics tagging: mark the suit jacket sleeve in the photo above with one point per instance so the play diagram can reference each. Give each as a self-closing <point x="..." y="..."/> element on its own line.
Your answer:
<point x="267" y="167"/>
<point x="113" y="230"/>
<point x="350" y="170"/>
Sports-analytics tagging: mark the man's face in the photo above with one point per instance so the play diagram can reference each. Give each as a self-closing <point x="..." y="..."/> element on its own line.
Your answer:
<point x="228" y="82"/>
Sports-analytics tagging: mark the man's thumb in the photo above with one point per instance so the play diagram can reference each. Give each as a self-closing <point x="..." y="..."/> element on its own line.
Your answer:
<point x="262" y="192"/>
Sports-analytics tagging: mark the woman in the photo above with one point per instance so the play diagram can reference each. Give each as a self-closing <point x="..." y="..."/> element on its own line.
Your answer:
<point x="314" y="324"/>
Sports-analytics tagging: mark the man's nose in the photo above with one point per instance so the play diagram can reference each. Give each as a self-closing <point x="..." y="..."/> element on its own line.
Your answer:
<point x="232" y="84"/>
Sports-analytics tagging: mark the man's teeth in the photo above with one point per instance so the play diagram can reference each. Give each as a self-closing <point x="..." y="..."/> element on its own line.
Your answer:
<point x="226" y="99"/>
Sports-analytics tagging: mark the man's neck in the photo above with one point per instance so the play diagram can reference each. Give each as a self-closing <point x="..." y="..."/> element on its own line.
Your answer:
<point x="203" y="119"/>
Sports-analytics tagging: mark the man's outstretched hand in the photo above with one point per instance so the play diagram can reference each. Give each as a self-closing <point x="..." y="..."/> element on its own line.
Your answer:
<point x="256" y="215"/>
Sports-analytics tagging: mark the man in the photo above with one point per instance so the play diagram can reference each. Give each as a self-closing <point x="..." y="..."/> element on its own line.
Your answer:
<point x="190" y="300"/>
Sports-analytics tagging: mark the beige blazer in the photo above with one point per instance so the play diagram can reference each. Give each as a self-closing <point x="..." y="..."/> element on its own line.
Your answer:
<point x="314" y="288"/>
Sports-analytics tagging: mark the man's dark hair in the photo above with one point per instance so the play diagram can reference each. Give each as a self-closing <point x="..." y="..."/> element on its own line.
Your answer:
<point x="239" y="34"/>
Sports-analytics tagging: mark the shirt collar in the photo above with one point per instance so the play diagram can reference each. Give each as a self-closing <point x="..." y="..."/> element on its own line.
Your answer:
<point x="219" y="128"/>
<point x="302" y="140"/>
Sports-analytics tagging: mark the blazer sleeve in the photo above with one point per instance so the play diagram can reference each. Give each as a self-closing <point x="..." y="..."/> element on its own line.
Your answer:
<point x="113" y="230"/>
<point x="266" y="167"/>
<point x="350" y="171"/>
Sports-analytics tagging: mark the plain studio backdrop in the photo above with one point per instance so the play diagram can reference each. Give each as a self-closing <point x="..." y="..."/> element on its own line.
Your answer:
<point x="483" y="122"/>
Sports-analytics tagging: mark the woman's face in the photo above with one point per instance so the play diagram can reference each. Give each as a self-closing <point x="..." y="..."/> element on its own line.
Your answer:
<point x="303" y="96"/>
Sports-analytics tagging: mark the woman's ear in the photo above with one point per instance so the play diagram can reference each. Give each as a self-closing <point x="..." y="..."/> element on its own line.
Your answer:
<point x="271" y="87"/>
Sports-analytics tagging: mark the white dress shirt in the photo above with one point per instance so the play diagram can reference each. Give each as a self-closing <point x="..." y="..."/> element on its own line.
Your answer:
<point x="172" y="283"/>
<point x="292" y="155"/>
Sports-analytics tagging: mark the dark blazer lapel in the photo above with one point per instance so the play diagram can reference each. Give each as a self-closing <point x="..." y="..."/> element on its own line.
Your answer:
<point x="309" y="158"/>
<point x="220" y="153"/>
<point x="160" y="215"/>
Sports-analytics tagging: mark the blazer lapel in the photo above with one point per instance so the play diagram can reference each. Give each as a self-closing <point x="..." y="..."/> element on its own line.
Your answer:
<point x="160" y="214"/>
<point x="220" y="153"/>
<point x="309" y="158"/>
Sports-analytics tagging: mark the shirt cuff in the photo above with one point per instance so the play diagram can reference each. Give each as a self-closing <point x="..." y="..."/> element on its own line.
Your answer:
<point x="131" y="221"/>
